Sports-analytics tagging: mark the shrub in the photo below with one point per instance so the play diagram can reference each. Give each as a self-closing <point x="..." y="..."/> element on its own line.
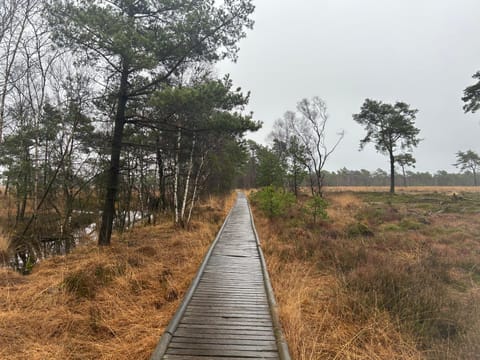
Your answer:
<point x="272" y="201"/>
<point x="359" y="229"/>
<point x="316" y="207"/>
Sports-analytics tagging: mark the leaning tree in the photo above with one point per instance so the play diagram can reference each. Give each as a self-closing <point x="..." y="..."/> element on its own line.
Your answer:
<point x="141" y="45"/>
<point x="389" y="127"/>
<point x="468" y="160"/>
<point x="405" y="160"/>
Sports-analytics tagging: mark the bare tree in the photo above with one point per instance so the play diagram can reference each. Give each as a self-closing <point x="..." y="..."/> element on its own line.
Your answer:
<point x="15" y="18"/>
<point x="310" y="128"/>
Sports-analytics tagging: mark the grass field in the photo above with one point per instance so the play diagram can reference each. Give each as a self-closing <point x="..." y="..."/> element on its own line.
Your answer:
<point x="384" y="277"/>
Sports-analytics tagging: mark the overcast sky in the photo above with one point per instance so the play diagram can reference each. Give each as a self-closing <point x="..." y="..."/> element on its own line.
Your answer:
<point x="422" y="52"/>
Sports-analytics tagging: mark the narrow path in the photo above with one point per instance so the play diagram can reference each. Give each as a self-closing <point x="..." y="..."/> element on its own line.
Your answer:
<point x="226" y="314"/>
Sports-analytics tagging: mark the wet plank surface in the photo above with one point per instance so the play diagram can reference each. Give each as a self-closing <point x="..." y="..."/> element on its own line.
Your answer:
<point x="228" y="316"/>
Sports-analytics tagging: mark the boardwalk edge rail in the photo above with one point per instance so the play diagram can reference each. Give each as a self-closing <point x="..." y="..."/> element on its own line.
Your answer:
<point x="167" y="336"/>
<point x="282" y="345"/>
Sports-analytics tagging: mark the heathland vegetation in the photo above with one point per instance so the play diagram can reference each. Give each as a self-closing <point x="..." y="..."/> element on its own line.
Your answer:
<point x="378" y="277"/>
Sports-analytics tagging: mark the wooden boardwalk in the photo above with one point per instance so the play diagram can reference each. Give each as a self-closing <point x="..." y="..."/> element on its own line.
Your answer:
<point x="227" y="313"/>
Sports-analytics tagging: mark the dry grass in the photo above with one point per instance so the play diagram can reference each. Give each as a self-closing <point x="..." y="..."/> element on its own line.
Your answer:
<point x="315" y="315"/>
<point x="384" y="278"/>
<point x="108" y="303"/>
<point x="5" y="243"/>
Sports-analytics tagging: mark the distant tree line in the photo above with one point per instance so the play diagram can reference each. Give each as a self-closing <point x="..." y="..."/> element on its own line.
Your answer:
<point x="380" y="177"/>
<point x="258" y="175"/>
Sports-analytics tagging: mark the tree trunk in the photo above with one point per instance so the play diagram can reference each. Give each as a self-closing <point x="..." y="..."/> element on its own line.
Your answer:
<point x="7" y="186"/>
<point x="317" y="180"/>
<point x="126" y="219"/>
<point x="319" y="177"/>
<point x="114" y="170"/>
<point x="142" y="192"/>
<point x="36" y="175"/>
<point x="474" y="178"/>
<point x="177" y="174"/>
<point x="312" y="187"/>
<point x="195" y="188"/>
<point x="295" y="185"/>
<point x="404" y="176"/>
<point x="161" y="176"/>
<point x="187" y="184"/>
<point x="392" y="173"/>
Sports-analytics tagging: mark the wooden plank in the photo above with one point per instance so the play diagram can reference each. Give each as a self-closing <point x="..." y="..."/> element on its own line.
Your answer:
<point x="225" y="303"/>
<point x="232" y="313"/>
<point x="233" y="283"/>
<point x="227" y="317"/>
<point x="231" y="353"/>
<point x="226" y="328"/>
<point x="222" y="347"/>
<point x="247" y="309"/>
<point x="208" y="302"/>
<point x="251" y="297"/>
<point x="229" y="295"/>
<point x="192" y="320"/>
<point x="230" y="300"/>
<point x="194" y="357"/>
<point x="240" y="292"/>
<point x="211" y="294"/>
<point x="227" y="334"/>
<point x="224" y="341"/>
<point x="226" y="325"/>
<point x="223" y="306"/>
